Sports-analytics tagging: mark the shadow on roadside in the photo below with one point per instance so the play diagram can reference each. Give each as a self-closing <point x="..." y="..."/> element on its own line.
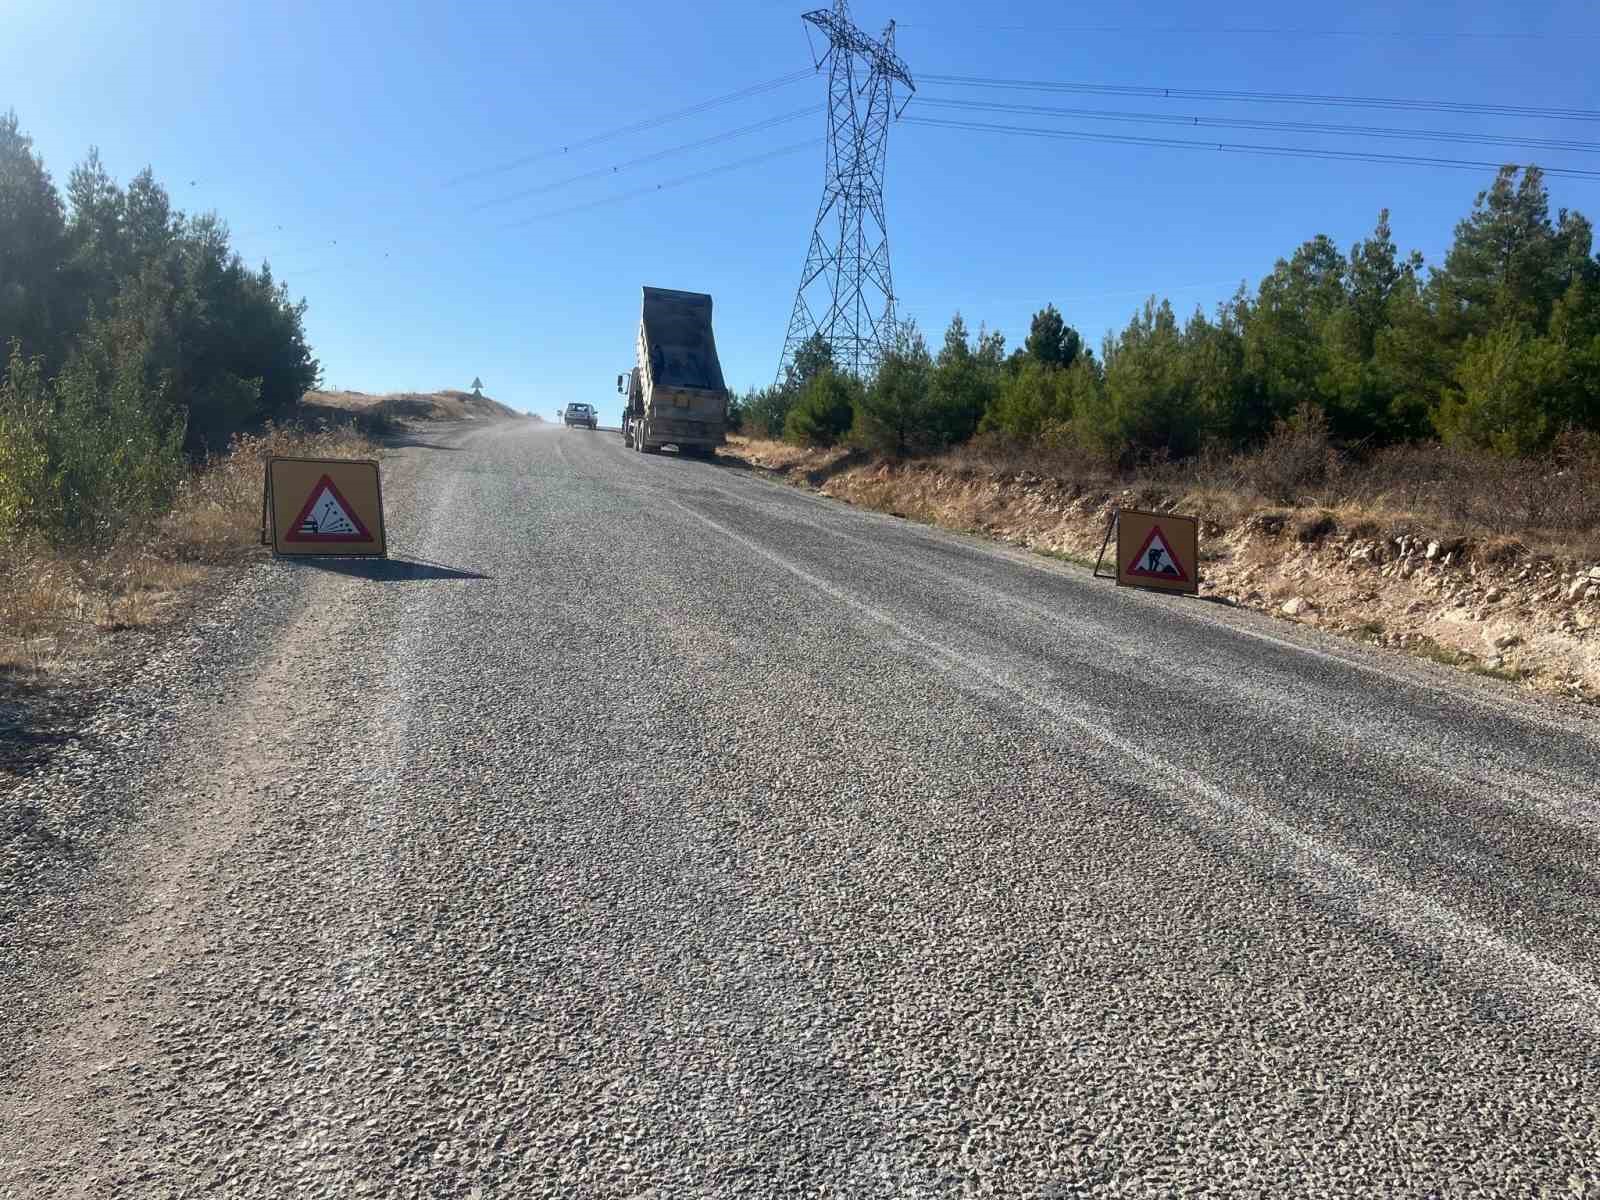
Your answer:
<point x="851" y="458"/>
<point x="733" y="463"/>
<point x="816" y="477"/>
<point x="386" y="570"/>
<point x="404" y="442"/>
<point x="34" y="718"/>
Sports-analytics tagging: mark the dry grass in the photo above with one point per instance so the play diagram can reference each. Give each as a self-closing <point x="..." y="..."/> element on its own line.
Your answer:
<point x="53" y="600"/>
<point x="218" y="515"/>
<point x="1504" y="507"/>
<point x="777" y="455"/>
<point x="378" y="413"/>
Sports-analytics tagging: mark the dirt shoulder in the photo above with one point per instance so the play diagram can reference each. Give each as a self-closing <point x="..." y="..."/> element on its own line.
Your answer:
<point x="77" y="627"/>
<point x="1482" y="605"/>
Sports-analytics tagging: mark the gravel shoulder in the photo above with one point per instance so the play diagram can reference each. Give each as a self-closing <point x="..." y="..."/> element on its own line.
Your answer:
<point x="669" y="831"/>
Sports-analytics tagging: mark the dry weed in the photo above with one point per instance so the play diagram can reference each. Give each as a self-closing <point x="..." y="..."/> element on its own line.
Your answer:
<point x="50" y="595"/>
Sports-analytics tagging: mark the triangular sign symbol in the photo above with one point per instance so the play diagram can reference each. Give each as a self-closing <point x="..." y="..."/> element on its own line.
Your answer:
<point x="327" y="517"/>
<point x="1156" y="560"/>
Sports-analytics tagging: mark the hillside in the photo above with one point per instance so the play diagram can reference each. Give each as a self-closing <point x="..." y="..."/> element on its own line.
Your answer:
<point x="417" y="406"/>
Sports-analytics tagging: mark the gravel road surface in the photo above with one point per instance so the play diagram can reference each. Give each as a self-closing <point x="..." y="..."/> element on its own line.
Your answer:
<point x="659" y="830"/>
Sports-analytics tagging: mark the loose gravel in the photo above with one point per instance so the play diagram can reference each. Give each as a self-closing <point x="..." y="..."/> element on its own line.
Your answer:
<point x="677" y="833"/>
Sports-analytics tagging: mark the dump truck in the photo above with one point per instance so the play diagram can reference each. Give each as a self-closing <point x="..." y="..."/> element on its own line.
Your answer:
<point x="675" y="393"/>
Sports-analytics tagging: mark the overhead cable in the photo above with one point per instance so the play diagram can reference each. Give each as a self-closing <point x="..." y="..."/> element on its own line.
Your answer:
<point x="809" y="111"/>
<point x="809" y="144"/>
<point x="1377" y="131"/>
<point x="1171" y="93"/>
<point x="1247" y="30"/>
<point x="754" y="89"/>
<point x="1242" y="148"/>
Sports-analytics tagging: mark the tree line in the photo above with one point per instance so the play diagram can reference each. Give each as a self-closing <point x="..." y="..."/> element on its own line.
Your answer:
<point x="134" y="341"/>
<point x="1497" y="350"/>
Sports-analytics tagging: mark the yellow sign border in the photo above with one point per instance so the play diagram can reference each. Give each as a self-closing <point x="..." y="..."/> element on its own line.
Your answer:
<point x="269" y="513"/>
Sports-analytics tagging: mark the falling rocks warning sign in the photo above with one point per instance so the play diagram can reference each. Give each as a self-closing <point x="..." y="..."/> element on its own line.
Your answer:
<point x="327" y="517"/>
<point x="323" y="506"/>
<point x="1158" y="550"/>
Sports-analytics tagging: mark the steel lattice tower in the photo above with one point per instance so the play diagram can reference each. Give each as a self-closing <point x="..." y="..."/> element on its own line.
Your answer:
<point x="846" y="293"/>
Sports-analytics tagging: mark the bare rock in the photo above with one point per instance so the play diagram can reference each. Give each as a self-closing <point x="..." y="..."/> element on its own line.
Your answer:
<point x="1432" y="552"/>
<point x="1298" y="606"/>
<point x="1505" y="641"/>
<point x="1494" y="595"/>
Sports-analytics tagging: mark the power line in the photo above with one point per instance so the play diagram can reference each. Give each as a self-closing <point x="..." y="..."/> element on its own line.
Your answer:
<point x="669" y="183"/>
<point x="1166" y="93"/>
<point x="1378" y="131"/>
<point x="754" y="89"/>
<point x="1256" y="31"/>
<point x="1244" y="148"/>
<point x="770" y="122"/>
<point x="620" y="197"/>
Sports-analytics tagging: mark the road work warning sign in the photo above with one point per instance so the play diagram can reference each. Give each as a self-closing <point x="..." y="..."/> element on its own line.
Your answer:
<point x="1156" y="550"/>
<point x="323" y="506"/>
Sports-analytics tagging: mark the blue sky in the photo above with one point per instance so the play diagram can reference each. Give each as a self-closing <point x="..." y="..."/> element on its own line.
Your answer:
<point x="350" y="125"/>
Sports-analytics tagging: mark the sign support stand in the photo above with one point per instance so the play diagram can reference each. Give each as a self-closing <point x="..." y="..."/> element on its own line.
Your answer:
<point x="1111" y="529"/>
<point x="266" y="501"/>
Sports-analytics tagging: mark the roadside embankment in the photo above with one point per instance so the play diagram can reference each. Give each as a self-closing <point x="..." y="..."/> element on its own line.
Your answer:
<point x="1486" y="604"/>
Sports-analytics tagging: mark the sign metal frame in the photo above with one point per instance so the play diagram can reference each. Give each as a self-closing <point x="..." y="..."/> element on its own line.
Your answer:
<point x="1179" y="533"/>
<point x="323" y="547"/>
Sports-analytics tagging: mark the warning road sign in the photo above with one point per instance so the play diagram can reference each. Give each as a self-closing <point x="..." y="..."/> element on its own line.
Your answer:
<point x="1158" y="550"/>
<point x="1155" y="560"/>
<point x="327" y="517"/>
<point x="323" y="506"/>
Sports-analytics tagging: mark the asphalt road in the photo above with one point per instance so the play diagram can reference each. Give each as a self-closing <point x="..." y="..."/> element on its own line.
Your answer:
<point x="665" y="831"/>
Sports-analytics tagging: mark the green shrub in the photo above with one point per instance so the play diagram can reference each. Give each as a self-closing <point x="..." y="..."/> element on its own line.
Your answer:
<point x="1510" y="393"/>
<point x="824" y="412"/>
<point x="27" y="500"/>
<point x="118" y="448"/>
<point x="895" y="413"/>
<point x="765" y="411"/>
<point x="1035" y="397"/>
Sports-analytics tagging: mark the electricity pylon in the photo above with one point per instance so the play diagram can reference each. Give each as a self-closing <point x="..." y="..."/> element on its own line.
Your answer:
<point x="846" y="293"/>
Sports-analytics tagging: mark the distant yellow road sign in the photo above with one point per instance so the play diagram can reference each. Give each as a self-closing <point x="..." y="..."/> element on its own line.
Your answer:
<point x="323" y="506"/>
<point x="1156" y="550"/>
